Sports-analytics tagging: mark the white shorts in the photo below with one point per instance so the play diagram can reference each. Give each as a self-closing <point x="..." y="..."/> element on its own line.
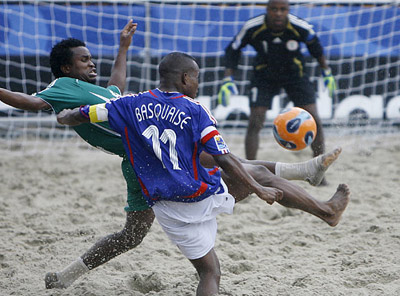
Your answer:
<point x="193" y="226"/>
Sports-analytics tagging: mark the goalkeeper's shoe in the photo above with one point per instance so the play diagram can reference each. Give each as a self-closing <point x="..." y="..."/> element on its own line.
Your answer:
<point x="329" y="81"/>
<point x="52" y="282"/>
<point x="227" y="89"/>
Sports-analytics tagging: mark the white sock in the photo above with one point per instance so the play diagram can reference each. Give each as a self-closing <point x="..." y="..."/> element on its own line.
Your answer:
<point x="72" y="272"/>
<point x="297" y="171"/>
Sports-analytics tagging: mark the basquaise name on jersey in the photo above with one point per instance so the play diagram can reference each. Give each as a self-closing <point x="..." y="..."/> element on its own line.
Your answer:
<point x="162" y="111"/>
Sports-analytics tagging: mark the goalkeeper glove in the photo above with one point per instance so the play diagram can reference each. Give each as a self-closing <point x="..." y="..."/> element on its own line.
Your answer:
<point x="227" y="89"/>
<point x="329" y="81"/>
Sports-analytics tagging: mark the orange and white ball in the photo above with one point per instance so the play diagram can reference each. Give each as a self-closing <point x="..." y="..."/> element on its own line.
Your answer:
<point x="294" y="128"/>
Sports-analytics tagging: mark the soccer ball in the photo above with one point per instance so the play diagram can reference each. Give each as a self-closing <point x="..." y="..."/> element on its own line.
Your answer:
<point x="294" y="128"/>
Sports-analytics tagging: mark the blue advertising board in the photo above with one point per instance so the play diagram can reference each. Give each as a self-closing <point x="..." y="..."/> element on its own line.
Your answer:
<point x="344" y="30"/>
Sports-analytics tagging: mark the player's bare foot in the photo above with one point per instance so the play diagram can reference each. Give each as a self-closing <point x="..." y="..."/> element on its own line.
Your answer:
<point x="318" y="166"/>
<point x="338" y="204"/>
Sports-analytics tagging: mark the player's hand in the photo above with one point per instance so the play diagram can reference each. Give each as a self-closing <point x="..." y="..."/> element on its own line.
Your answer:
<point x="227" y="89"/>
<point x="329" y="81"/>
<point x="270" y="194"/>
<point x="125" y="37"/>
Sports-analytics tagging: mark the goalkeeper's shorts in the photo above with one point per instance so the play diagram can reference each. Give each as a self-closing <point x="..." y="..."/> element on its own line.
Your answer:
<point x="299" y="90"/>
<point x="135" y="199"/>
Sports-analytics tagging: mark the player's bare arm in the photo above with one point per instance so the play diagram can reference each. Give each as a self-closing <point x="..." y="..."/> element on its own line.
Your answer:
<point x="234" y="169"/>
<point x="72" y="117"/>
<point x="118" y="74"/>
<point x="22" y="101"/>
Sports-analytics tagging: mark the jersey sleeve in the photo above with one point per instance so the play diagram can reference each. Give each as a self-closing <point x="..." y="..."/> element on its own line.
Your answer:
<point x="233" y="51"/>
<point x="314" y="47"/>
<point x="60" y="94"/>
<point x="95" y="113"/>
<point x="312" y="41"/>
<point x="105" y="111"/>
<point x="115" y="89"/>
<point x="211" y="140"/>
<point x="69" y="93"/>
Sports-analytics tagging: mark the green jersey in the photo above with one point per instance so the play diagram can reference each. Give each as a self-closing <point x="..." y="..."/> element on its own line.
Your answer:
<point x="69" y="93"/>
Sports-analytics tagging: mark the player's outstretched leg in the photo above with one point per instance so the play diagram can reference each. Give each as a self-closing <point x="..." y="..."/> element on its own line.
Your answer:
<point x="63" y="279"/>
<point x="294" y="196"/>
<point x="312" y="171"/>
<point x="338" y="204"/>
<point x="320" y="164"/>
<point x="136" y="227"/>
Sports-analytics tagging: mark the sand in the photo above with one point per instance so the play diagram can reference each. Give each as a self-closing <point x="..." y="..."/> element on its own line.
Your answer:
<point x="55" y="205"/>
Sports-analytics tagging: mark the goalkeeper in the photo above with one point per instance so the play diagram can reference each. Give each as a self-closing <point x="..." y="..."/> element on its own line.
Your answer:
<point x="279" y="64"/>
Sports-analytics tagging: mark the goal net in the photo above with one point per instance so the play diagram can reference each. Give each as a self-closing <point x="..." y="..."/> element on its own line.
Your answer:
<point x="361" y="40"/>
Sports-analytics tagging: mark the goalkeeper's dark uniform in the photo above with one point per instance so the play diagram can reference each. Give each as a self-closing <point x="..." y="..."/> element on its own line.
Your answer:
<point x="279" y="62"/>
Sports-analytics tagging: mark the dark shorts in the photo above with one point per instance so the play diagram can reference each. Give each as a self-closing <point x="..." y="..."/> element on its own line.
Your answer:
<point x="299" y="91"/>
<point x="135" y="199"/>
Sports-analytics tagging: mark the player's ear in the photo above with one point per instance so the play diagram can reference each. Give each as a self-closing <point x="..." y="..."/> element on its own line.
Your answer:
<point x="66" y="69"/>
<point x="185" y="78"/>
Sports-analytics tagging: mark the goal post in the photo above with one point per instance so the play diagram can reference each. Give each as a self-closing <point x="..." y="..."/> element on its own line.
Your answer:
<point x="361" y="40"/>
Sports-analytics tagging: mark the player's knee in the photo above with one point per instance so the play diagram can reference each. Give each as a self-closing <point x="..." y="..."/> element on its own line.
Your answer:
<point x="255" y="125"/>
<point x="134" y="235"/>
<point x="262" y="175"/>
<point x="136" y="228"/>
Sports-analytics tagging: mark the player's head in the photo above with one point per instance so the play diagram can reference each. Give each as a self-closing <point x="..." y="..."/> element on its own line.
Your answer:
<point x="180" y="71"/>
<point x="277" y="14"/>
<point x="71" y="58"/>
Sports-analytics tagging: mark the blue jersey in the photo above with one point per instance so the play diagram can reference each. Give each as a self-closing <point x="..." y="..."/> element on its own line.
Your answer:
<point x="164" y="134"/>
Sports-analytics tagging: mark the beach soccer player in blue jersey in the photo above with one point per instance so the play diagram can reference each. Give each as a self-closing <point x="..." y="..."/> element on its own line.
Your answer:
<point x="75" y="73"/>
<point x="164" y="132"/>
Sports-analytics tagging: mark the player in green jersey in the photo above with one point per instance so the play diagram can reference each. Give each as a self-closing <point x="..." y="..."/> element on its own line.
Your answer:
<point x="74" y="86"/>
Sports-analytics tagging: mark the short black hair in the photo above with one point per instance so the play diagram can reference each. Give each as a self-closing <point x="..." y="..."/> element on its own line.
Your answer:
<point x="270" y="1"/>
<point x="61" y="55"/>
<point x="175" y="63"/>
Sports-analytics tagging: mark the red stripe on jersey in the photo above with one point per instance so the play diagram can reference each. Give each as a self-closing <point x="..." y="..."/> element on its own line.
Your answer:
<point x="200" y="191"/>
<point x="205" y="109"/>
<point x="181" y="96"/>
<point x="145" y="191"/>
<point x="194" y="155"/>
<point x="129" y="146"/>
<point x="209" y="136"/>
<point x="212" y="172"/>
<point x="152" y="93"/>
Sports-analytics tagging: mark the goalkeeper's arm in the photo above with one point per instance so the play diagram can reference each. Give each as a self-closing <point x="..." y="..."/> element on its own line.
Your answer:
<point x="315" y="48"/>
<point x="329" y="80"/>
<point x="227" y="89"/>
